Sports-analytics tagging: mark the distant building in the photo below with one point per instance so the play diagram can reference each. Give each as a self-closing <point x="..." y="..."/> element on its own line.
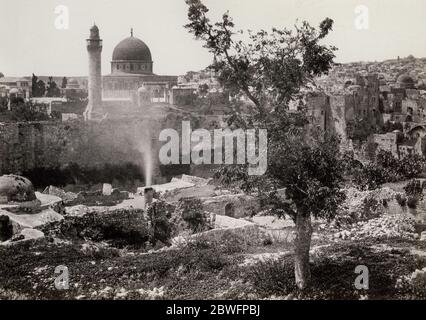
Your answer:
<point x="131" y="76"/>
<point x="22" y="85"/>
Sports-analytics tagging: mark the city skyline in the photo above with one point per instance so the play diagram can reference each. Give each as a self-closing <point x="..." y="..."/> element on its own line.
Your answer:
<point x="32" y="44"/>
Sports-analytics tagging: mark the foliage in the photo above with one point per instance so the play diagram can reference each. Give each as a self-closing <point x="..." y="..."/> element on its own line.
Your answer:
<point x="203" y="89"/>
<point x="52" y="89"/>
<point x="332" y="274"/>
<point x="38" y="87"/>
<point x="159" y="214"/>
<point x="271" y="67"/>
<point x="412" y="202"/>
<point x="405" y="168"/>
<point x="311" y="171"/>
<point x="414" y="192"/>
<point x="64" y="82"/>
<point x="3" y="103"/>
<point x="26" y="111"/>
<point x="192" y="212"/>
<point x="369" y="177"/>
<point x="387" y="168"/>
<point x="414" y="188"/>
<point x="121" y="227"/>
<point x="203" y="269"/>
<point x="402" y="201"/>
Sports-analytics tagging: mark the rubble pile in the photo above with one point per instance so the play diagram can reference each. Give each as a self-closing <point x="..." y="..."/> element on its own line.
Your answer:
<point x="364" y="205"/>
<point x="384" y="227"/>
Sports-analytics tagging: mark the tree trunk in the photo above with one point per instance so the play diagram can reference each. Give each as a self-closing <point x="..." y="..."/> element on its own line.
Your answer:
<point x="302" y="245"/>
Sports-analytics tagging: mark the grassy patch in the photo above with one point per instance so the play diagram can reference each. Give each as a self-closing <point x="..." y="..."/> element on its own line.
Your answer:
<point x="333" y="275"/>
<point x="204" y="269"/>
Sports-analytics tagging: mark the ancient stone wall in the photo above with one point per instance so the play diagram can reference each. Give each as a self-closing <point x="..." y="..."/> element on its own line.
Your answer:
<point x="24" y="146"/>
<point x="29" y="145"/>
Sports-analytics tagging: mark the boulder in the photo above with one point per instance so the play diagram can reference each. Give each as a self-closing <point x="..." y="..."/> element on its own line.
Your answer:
<point x="423" y="236"/>
<point x="28" y="234"/>
<point x="34" y="220"/>
<point x="15" y="188"/>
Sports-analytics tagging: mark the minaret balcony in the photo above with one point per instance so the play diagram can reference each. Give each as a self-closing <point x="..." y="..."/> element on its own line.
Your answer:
<point x="94" y="43"/>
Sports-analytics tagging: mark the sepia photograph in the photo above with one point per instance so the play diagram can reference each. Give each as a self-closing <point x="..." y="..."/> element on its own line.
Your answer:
<point x="216" y="155"/>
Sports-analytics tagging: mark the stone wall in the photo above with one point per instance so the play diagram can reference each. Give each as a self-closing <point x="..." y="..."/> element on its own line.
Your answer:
<point x="25" y="146"/>
<point x="29" y="145"/>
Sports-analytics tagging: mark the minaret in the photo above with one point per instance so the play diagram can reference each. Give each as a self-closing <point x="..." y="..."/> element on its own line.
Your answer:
<point x="94" y="109"/>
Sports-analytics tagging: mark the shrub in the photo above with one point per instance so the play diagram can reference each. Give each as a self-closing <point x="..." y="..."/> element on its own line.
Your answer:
<point x="369" y="177"/>
<point x="386" y="168"/>
<point x="120" y="227"/>
<point x="191" y="211"/>
<point x="402" y="201"/>
<point x="412" y="202"/>
<point x="414" y="188"/>
<point x="273" y="277"/>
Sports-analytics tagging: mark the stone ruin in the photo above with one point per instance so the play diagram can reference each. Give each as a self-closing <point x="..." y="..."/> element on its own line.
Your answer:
<point x="118" y="217"/>
<point x="22" y="209"/>
<point x="16" y="189"/>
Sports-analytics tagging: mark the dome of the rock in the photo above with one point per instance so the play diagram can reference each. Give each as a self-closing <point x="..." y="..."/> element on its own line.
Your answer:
<point x="132" y="49"/>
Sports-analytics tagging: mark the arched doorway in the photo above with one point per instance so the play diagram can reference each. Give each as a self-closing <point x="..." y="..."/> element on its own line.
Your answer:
<point x="230" y="210"/>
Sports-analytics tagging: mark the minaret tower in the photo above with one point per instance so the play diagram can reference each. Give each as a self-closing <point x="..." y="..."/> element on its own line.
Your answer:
<point x="94" y="109"/>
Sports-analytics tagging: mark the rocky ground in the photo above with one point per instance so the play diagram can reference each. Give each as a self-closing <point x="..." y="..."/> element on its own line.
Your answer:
<point x="100" y="239"/>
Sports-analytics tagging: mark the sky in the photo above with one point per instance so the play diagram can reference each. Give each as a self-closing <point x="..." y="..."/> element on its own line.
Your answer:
<point x="30" y="42"/>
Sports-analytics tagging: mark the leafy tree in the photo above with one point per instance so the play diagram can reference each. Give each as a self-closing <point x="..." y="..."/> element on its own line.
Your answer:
<point x="38" y="86"/>
<point x="26" y="111"/>
<point x="34" y="86"/>
<point x="1" y="75"/>
<point x="414" y="188"/>
<point x="41" y="88"/>
<point x="64" y="82"/>
<point x="52" y="88"/>
<point x="203" y="89"/>
<point x="270" y="69"/>
<point x="387" y="168"/>
<point x="369" y="177"/>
